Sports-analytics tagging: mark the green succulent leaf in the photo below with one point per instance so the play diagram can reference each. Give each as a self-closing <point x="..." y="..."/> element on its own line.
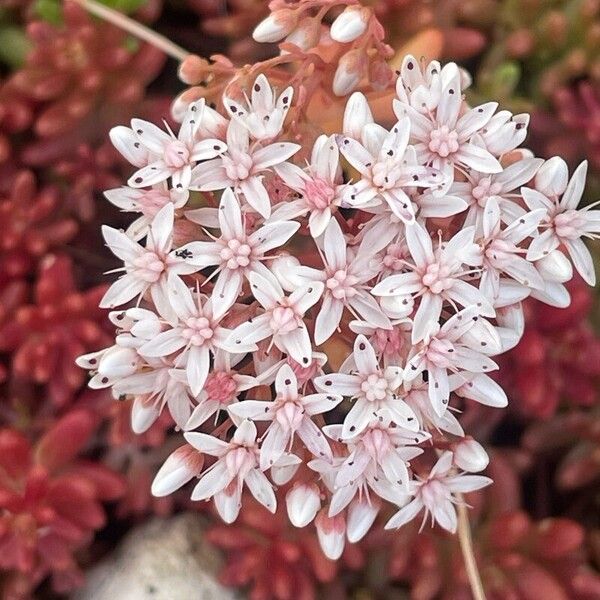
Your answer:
<point x="14" y="46"/>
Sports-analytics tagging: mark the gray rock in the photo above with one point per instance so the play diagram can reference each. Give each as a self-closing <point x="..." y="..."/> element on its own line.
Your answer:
<point x="165" y="559"/>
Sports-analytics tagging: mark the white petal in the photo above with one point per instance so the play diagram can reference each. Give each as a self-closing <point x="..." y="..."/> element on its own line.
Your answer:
<point x="261" y="489"/>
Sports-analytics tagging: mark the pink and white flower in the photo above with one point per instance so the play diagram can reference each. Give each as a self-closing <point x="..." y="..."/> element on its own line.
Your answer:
<point x="148" y="268"/>
<point x="290" y="414"/>
<point x="564" y="225"/>
<point x="446" y="350"/>
<point x="162" y="155"/>
<point x="265" y="112"/>
<point x="318" y="187"/>
<point x="443" y="138"/>
<point x="373" y="388"/>
<point x="437" y="277"/>
<point x="503" y="252"/>
<point x="437" y="495"/>
<point x="345" y="279"/>
<point x="386" y="169"/>
<point x="282" y="319"/>
<point x="191" y="340"/>
<point x="236" y="253"/>
<point x="236" y="465"/>
<point x="242" y="168"/>
<point x="222" y="387"/>
<point x="146" y="202"/>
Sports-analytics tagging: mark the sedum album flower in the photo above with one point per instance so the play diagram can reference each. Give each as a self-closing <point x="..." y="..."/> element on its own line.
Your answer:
<point x="373" y="388"/>
<point x="162" y="155"/>
<point x="290" y="414"/>
<point x="236" y="465"/>
<point x="386" y="172"/>
<point x="436" y="495"/>
<point x="264" y="113"/>
<point x="437" y="276"/>
<point x="317" y="188"/>
<point x="562" y="223"/>
<point x="235" y="254"/>
<point x="196" y="334"/>
<point x="147" y="269"/>
<point x="242" y="168"/>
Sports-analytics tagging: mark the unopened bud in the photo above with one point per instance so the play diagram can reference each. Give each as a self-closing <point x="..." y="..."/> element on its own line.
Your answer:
<point x="552" y="178"/>
<point x="143" y="414"/>
<point x="361" y="516"/>
<point x="303" y="502"/>
<point x="350" y="24"/>
<point x="470" y="456"/>
<point x="276" y="26"/>
<point x="331" y="532"/>
<point x="181" y="465"/>
<point x="555" y="267"/>
<point x="357" y="115"/>
<point x="307" y="34"/>
<point x="349" y="72"/>
<point x="193" y="69"/>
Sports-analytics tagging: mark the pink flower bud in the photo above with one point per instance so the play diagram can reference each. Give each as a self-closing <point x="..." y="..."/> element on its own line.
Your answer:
<point x="331" y="533"/>
<point x="356" y="115"/>
<point x="350" y="24"/>
<point x="349" y="72"/>
<point x="181" y="465"/>
<point x="470" y="456"/>
<point x="303" y="502"/>
<point x="307" y="34"/>
<point x="553" y="176"/>
<point x="276" y="26"/>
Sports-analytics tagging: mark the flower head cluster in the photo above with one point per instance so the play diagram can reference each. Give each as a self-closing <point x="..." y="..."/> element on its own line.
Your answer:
<point x="315" y="322"/>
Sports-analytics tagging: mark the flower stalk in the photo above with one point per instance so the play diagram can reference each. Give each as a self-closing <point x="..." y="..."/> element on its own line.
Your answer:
<point x="134" y="28"/>
<point x="465" y="540"/>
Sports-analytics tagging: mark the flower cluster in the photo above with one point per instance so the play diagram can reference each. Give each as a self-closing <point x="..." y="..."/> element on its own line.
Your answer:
<point x="314" y="323"/>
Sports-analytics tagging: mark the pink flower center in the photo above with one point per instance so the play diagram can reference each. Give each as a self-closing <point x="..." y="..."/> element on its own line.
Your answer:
<point x="220" y="386"/>
<point x="176" y="154"/>
<point x="377" y="443"/>
<point x="385" y="174"/>
<point x="198" y="330"/>
<point x="394" y="257"/>
<point x="318" y="193"/>
<point x="500" y="253"/>
<point x="236" y="254"/>
<point x="389" y="342"/>
<point x="284" y="319"/>
<point x="436" y="278"/>
<point x="484" y="189"/>
<point x="341" y="285"/>
<point x="443" y="141"/>
<point x="568" y="225"/>
<point x="239" y="168"/>
<point x="240" y="461"/>
<point x="432" y="492"/>
<point x="438" y="352"/>
<point x="152" y="201"/>
<point x="375" y="387"/>
<point x="149" y="266"/>
<point x="289" y="416"/>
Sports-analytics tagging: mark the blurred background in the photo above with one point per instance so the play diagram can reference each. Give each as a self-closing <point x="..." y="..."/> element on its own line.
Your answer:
<point x="75" y="497"/>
